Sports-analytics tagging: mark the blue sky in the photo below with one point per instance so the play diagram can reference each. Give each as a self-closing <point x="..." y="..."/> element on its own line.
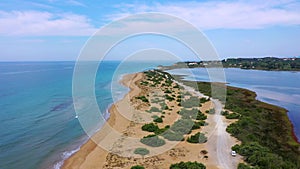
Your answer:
<point x="58" y="29"/>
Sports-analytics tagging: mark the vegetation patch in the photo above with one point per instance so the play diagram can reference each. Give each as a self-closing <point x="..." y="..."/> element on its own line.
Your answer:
<point x="182" y="126"/>
<point x="137" y="167"/>
<point x="233" y="116"/>
<point x="158" y="120"/>
<point x="153" y="141"/>
<point x="193" y="101"/>
<point x="197" y="138"/>
<point x="151" y="127"/>
<point x="264" y="130"/>
<point x="172" y="136"/>
<point x="188" y="165"/>
<point x="203" y="100"/>
<point x="141" y="151"/>
<point x="154" y="109"/>
<point x="143" y="98"/>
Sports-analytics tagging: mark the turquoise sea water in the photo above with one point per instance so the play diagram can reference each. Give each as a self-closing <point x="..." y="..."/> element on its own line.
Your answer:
<point x="38" y="128"/>
<point x="280" y="88"/>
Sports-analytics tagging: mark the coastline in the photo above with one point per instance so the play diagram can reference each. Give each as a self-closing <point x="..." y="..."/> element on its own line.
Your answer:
<point x="78" y="159"/>
<point x="92" y="156"/>
<point x="293" y="133"/>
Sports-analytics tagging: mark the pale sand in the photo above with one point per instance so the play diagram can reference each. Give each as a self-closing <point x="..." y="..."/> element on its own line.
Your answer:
<point x="91" y="156"/>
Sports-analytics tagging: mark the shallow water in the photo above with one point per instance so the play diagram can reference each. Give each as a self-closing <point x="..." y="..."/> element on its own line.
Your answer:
<point x="38" y="128"/>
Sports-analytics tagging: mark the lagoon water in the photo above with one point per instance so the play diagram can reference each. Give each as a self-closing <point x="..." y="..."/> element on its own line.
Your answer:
<point x="38" y="124"/>
<point x="280" y="88"/>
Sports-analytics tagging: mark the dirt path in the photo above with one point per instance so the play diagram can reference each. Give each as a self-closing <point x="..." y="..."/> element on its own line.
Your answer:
<point x="224" y="140"/>
<point x="219" y="141"/>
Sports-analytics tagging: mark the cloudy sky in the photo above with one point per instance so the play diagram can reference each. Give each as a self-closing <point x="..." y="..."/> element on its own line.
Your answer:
<point x="58" y="29"/>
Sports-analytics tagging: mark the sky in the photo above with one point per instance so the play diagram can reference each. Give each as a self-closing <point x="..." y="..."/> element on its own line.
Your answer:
<point x="57" y="30"/>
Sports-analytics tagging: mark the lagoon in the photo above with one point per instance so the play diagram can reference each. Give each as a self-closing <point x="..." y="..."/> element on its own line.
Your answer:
<point x="280" y="88"/>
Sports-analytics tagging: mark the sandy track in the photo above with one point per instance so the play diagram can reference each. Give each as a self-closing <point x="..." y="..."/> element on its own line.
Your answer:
<point x="219" y="141"/>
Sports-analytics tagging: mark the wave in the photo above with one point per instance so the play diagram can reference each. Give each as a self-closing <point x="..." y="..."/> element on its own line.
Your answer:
<point x="32" y="71"/>
<point x="65" y="155"/>
<point x="120" y="93"/>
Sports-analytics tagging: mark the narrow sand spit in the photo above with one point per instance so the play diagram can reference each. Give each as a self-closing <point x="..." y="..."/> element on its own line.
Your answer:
<point x="118" y="127"/>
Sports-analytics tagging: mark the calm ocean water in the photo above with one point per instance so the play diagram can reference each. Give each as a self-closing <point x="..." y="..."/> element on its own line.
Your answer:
<point x="275" y="87"/>
<point x="38" y="128"/>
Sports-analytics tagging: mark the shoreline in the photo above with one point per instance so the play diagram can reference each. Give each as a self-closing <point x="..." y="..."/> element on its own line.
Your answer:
<point x="77" y="159"/>
<point x="293" y="132"/>
<point x="90" y="155"/>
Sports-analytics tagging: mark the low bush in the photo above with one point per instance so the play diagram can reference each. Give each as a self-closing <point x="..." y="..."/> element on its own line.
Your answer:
<point x="182" y="126"/>
<point x="154" y="109"/>
<point x="224" y="113"/>
<point x="197" y="138"/>
<point x="141" y="151"/>
<point x="203" y="100"/>
<point x="188" y="165"/>
<point x="158" y="120"/>
<point x="233" y="116"/>
<point x="137" y="167"/>
<point x="172" y="136"/>
<point x="153" y="141"/>
<point x="151" y="127"/>
<point x="143" y="98"/>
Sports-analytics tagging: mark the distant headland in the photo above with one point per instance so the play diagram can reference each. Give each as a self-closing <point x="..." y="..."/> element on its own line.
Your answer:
<point x="267" y="63"/>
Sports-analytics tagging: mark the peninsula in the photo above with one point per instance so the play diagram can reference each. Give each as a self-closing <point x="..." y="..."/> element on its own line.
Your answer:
<point x="167" y="122"/>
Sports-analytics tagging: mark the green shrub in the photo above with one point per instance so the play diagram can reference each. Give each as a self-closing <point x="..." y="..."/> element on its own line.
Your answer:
<point x="153" y="141"/>
<point x="151" y="127"/>
<point x="203" y="100"/>
<point x="193" y="101"/>
<point x="224" y="113"/>
<point x="137" y="167"/>
<point x="143" y="98"/>
<point x="196" y="125"/>
<point x="158" y="120"/>
<point x="141" y="151"/>
<point x="162" y="130"/>
<point x="201" y="116"/>
<point x="188" y="165"/>
<point x="145" y="83"/>
<point x="172" y="136"/>
<point x="154" y="109"/>
<point x="244" y="166"/>
<point x="182" y="126"/>
<point x="197" y="138"/>
<point x="210" y="111"/>
<point x="170" y="98"/>
<point x="233" y="116"/>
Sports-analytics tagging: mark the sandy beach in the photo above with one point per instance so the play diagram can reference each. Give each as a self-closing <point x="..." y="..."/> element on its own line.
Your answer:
<point x="113" y="145"/>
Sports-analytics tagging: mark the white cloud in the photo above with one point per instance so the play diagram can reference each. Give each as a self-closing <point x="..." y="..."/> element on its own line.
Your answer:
<point x="218" y="14"/>
<point x="76" y="3"/>
<point x="36" y="23"/>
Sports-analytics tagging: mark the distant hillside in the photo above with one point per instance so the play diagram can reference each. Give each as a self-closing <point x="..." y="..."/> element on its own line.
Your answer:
<point x="267" y="63"/>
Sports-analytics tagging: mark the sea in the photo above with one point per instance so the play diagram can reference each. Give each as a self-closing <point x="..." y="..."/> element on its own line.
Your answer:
<point x="38" y="124"/>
